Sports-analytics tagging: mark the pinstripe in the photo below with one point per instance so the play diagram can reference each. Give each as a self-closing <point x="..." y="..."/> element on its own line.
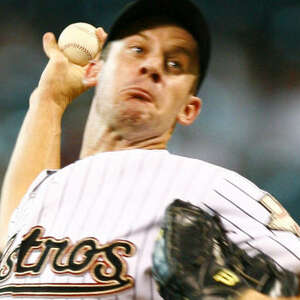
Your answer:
<point x="154" y="178"/>
<point x="262" y="206"/>
<point x="46" y="195"/>
<point x="98" y="173"/>
<point x="123" y="194"/>
<point x="242" y="210"/>
<point x="287" y="249"/>
<point x="72" y="209"/>
<point x="259" y="251"/>
<point x="42" y="181"/>
<point x="147" y="191"/>
<point x="126" y="197"/>
<point x="248" y="242"/>
<point x="164" y="192"/>
<point x="80" y="197"/>
<point x="240" y="189"/>
<point x="53" y="278"/>
<point x="113" y="193"/>
<point x="227" y="219"/>
<point x="103" y="198"/>
<point x="62" y="196"/>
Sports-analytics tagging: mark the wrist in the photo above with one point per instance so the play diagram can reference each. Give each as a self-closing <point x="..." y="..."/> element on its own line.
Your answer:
<point x="47" y="100"/>
<point x="249" y="294"/>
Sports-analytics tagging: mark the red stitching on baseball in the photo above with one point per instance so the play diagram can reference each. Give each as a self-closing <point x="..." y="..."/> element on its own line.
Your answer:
<point x="79" y="47"/>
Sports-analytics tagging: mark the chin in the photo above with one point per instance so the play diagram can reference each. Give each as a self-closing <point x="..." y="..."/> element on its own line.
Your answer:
<point x="135" y="116"/>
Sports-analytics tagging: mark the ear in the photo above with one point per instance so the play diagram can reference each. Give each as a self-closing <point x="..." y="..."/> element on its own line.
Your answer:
<point x="91" y="73"/>
<point x="190" y="111"/>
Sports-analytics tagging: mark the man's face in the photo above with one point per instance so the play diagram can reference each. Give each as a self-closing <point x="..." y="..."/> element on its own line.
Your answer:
<point x="148" y="79"/>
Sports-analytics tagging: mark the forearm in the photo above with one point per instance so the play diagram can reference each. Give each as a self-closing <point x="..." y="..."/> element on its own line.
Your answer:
<point x="38" y="144"/>
<point x="37" y="148"/>
<point x="252" y="294"/>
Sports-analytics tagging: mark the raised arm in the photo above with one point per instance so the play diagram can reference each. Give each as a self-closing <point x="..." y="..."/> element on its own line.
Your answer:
<point x="38" y="143"/>
<point x="254" y="295"/>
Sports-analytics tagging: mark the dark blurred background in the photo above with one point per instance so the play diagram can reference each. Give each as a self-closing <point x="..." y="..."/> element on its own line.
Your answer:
<point x="250" y="118"/>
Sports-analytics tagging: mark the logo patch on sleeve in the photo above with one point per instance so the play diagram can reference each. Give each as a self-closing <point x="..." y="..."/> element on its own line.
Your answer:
<point x="280" y="218"/>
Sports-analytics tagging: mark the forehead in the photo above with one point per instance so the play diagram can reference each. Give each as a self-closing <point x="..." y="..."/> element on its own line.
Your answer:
<point x="172" y="37"/>
<point x="159" y="25"/>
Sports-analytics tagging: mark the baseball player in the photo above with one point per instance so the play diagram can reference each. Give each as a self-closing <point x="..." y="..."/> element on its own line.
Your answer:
<point x="87" y="230"/>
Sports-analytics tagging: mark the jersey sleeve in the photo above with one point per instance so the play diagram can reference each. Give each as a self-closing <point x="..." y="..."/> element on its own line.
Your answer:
<point x="254" y="219"/>
<point x="22" y="212"/>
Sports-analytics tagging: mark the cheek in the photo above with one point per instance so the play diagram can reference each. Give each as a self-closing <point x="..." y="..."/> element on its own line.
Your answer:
<point x="109" y="77"/>
<point x="179" y="91"/>
<point x="185" y="84"/>
<point x="105" y="80"/>
<point x="176" y="96"/>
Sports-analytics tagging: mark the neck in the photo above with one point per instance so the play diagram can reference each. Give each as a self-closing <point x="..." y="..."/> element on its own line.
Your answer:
<point x="105" y="139"/>
<point x="99" y="137"/>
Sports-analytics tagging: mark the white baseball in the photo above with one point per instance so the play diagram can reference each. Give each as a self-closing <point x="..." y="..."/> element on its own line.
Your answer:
<point x="79" y="43"/>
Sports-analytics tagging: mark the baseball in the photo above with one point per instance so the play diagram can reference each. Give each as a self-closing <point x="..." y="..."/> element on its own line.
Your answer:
<point x="79" y="43"/>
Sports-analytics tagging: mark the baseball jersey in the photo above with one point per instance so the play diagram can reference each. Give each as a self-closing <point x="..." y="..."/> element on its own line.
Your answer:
<point x="88" y="230"/>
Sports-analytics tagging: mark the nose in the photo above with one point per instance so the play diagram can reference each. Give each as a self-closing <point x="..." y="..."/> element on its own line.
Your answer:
<point x="152" y="67"/>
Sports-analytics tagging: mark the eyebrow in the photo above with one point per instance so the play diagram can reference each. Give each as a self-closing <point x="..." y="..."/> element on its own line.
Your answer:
<point x="175" y="48"/>
<point x="181" y="49"/>
<point x="142" y="35"/>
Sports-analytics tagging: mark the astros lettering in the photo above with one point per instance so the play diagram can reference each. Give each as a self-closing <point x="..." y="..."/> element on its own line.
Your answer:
<point x="105" y="264"/>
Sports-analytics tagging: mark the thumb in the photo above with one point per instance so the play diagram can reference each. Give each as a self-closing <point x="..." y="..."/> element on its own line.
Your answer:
<point x="101" y="35"/>
<point x="50" y="45"/>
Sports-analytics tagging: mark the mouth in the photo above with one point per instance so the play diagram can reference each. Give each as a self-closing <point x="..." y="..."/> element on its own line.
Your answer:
<point x="138" y="93"/>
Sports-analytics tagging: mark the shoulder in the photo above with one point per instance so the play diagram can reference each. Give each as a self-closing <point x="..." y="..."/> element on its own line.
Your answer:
<point x="221" y="175"/>
<point x="228" y="180"/>
<point x="191" y="162"/>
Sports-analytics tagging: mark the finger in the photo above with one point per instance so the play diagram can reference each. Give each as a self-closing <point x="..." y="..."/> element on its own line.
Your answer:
<point x="101" y="34"/>
<point x="50" y="45"/>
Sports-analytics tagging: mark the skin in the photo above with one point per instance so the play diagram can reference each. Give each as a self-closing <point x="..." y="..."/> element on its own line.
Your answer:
<point x="146" y="86"/>
<point x="140" y="96"/>
<point x="38" y="143"/>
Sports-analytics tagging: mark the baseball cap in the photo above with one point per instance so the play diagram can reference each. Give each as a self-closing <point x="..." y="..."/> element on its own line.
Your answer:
<point x="184" y="12"/>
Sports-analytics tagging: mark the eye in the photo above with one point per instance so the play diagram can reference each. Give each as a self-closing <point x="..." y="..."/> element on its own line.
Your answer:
<point x="137" y="49"/>
<point x="175" y="65"/>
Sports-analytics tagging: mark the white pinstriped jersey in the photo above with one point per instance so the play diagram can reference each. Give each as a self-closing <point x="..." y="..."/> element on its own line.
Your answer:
<point x="89" y="228"/>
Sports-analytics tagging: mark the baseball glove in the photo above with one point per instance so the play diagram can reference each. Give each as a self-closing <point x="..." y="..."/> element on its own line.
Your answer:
<point x="193" y="259"/>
